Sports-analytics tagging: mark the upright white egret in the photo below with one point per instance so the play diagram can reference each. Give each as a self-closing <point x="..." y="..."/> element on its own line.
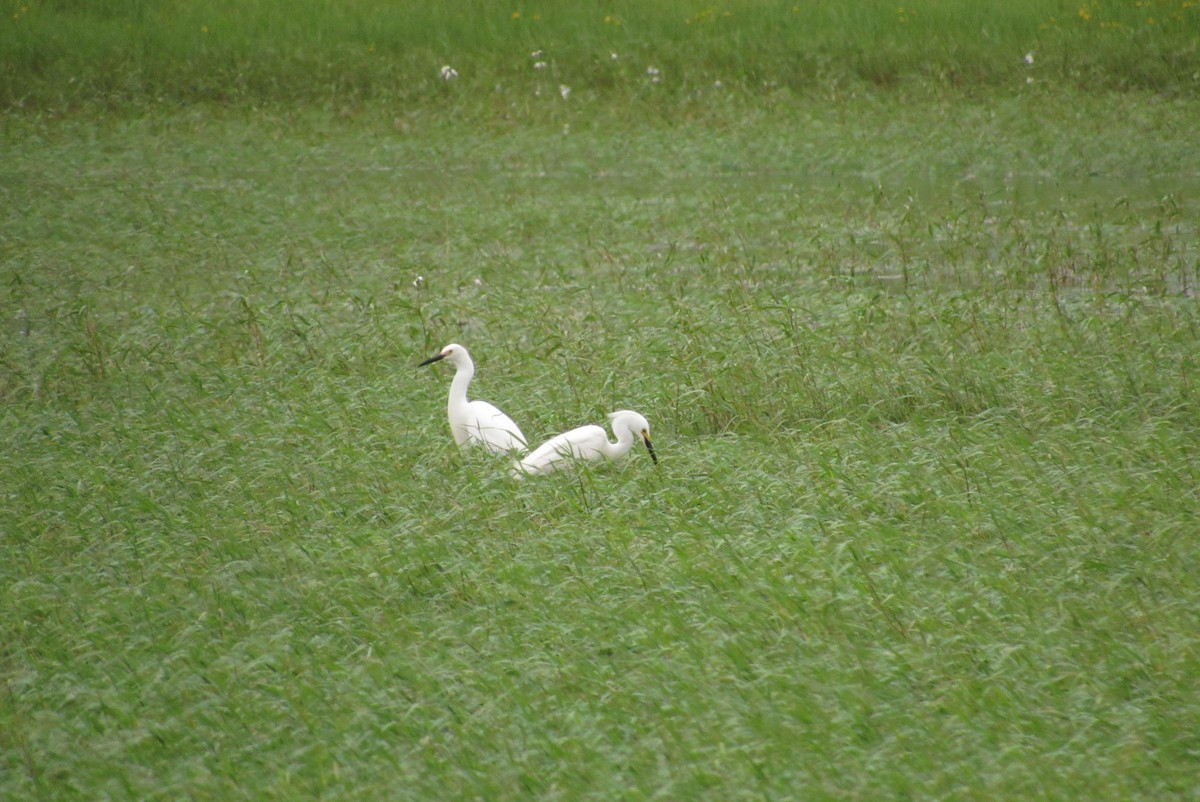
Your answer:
<point x="588" y="443"/>
<point x="476" y="423"/>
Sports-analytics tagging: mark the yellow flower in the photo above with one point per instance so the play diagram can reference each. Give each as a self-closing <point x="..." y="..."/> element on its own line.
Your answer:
<point x="1085" y="13"/>
<point x="516" y="15"/>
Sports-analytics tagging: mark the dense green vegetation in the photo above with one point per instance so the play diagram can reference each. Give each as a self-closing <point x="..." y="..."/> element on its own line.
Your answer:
<point x="914" y="322"/>
<point x="137" y="54"/>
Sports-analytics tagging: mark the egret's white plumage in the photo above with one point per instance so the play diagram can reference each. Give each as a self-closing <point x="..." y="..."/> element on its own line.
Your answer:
<point x="476" y="423"/>
<point x="588" y="443"/>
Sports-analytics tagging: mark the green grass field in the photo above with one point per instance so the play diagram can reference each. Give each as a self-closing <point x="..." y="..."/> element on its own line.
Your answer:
<point x="914" y="322"/>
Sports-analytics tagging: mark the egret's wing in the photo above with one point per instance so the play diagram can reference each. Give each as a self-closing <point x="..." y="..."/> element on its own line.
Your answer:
<point x="586" y="442"/>
<point x="489" y="427"/>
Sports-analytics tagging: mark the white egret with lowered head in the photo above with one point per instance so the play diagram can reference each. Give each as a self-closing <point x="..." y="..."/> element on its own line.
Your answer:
<point x="476" y="423"/>
<point x="588" y="443"/>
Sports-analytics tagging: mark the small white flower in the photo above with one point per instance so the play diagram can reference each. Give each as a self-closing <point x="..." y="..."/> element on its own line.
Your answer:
<point x="536" y="54"/>
<point x="448" y="73"/>
<point x="613" y="56"/>
<point x="1029" y="57"/>
<point x="539" y="65"/>
<point x="478" y="282"/>
<point x="717" y="84"/>
<point x="1028" y="79"/>
<point x="419" y="282"/>
<point x="564" y="90"/>
<point x="653" y="72"/>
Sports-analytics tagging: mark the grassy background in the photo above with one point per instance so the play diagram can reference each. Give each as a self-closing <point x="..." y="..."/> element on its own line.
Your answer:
<point x="919" y="354"/>
<point x="122" y="54"/>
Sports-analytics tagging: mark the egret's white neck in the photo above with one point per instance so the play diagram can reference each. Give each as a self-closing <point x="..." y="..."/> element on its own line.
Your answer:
<point x="463" y="374"/>
<point x="625" y="437"/>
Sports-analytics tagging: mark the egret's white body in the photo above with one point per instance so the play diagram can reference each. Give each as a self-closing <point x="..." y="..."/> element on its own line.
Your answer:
<point x="588" y="443"/>
<point x="476" y="423"/>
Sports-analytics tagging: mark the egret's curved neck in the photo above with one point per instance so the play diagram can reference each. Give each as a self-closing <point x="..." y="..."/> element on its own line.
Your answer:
<point x="458" y="387"/>
<point x="625" y="438"/>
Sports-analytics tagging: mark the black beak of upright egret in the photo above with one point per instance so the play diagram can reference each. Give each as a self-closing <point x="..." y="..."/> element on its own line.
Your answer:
<point x="433" y="359"/>
<point x="649" y="447"/>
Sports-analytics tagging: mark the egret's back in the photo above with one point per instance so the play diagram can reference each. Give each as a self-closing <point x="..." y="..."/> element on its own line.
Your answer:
<point x="486" y="426"/>
<point x="585" y="443"/>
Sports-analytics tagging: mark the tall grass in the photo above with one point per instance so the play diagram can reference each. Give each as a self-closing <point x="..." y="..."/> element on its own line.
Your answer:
<point x="920" y="362"/>
<point x="116" y="54"/>
<point x="921" y="375"/>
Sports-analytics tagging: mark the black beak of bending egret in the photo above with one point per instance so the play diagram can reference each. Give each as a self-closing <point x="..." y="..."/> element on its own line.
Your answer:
<point x="432" y="359"/>
<point x="650" y="447"/>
